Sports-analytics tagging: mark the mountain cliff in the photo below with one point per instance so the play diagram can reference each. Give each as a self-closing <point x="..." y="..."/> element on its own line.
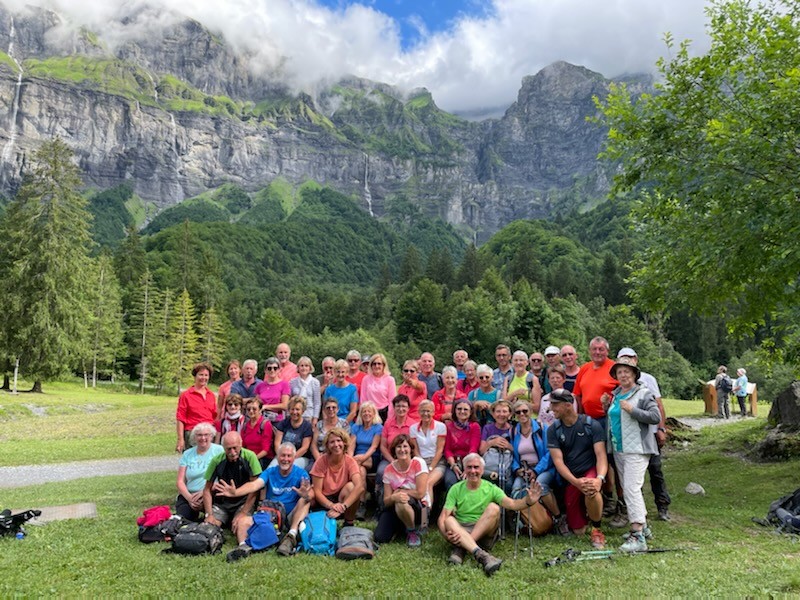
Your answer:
<point x="178" y="112"/>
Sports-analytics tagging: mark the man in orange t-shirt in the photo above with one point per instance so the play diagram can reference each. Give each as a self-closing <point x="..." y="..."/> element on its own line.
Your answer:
<point x="594" y="379"/>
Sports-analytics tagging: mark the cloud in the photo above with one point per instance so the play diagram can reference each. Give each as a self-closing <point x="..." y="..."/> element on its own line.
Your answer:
<point x="478" y="62"/>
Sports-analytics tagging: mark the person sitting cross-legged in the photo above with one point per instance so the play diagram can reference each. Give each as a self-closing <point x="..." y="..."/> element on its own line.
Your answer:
<point x="285" y="483"/>
<point x="470" y="518"/>
<point x="336" y="478"/>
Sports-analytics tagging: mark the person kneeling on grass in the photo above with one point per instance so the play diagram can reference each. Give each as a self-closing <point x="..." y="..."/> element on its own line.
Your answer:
<point x="405" y="491"/>
<point x="336" y="478"/>
<point x="471" y="514"/>
<point x="237" y="466"/>
<point x="285" y="483"/>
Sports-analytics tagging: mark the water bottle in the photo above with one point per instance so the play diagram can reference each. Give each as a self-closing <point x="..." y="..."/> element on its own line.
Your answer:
<point x="20" y="535"/>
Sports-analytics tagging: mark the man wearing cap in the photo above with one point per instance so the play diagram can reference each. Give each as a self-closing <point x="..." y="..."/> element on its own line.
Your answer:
<point x="552" y="356"/>
<point x="570" y="359"/>
<point x="577" y="446"/>
<point x="657" y="482"/>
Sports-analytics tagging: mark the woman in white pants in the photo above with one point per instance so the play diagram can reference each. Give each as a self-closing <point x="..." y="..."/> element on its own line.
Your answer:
<point x="632" y="419"/>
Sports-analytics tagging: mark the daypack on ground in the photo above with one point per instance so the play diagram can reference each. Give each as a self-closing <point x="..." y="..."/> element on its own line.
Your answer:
<point x="261" y="534"/>
<point x="498" y="465"/>
<point x="197" y="538"/>
<point x="276" y="512"/>
<point x="319" y="534"/>
<point x="784" y="513"/>
<point x="355" y="542"/>
<point x="163" y="531"/>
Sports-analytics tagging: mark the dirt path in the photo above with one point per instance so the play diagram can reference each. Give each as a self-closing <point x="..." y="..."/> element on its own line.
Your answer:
<point x="700" y="422"/>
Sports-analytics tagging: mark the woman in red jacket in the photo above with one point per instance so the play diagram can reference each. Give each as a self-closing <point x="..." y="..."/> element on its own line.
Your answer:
<point x="463" y="437"/>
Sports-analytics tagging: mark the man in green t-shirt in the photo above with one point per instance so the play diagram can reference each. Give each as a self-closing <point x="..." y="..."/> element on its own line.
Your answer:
<point x="236" y="466"/>
<point x="471" y="514"/>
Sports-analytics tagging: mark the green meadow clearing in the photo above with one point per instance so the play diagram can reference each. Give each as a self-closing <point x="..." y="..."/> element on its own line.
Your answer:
<point x="726" y="554"/>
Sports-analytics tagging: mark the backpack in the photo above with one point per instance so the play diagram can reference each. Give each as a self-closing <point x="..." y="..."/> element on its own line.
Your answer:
<point x="318" y="533"/>
<point x="163" y="532"/>
<point x="261" y="534"/>
<point x="355" y="542"/>
<point x="587" y="426"/>
<point x="197" y="538"/>
<point x="785" y="513"/>
<point x="725" y="385"/>
<point x="277" y="514"/>
<point x="498" y="466"/>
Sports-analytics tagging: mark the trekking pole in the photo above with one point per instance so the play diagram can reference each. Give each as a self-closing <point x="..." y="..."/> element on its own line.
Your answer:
<point x="527" y="479"/>
<point x="501" y="478"/>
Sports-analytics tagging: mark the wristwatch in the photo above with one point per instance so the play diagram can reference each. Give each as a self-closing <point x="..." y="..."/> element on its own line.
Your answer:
<point x="602" y="478"/>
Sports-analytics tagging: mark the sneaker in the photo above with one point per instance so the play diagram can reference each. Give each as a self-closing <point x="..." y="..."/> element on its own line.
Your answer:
<point x="413" y="540"/>
<point x="646" y="532"/>
<point x="238" y="553"/>
<point x="457" y="555"/>
<point x="619" y="520"/>
<point x="560" y="525"/>
<point x="361" y="513"/>
<point x="609" y="506"/>
<point x="663" y="514"/>
<point x="634" y="543"/>
<point x="597" y="539"/>
<point x="287" y="545"/>
<point x="489" y="562"/>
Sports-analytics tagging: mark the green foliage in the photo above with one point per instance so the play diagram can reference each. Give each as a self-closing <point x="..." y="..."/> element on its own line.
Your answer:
<point x="6" y="60"/>
<point x="212" y="332"/>
<point x="183" y="343"/>
<point x="44" y="246"/>
<point x="231" y="197"/>
<point x="419" y="314"/>
<point x="111" y="215"/>
<point x="712" y="163"/>
<point x="104" y="326"/>
<point x="196" y="210"/>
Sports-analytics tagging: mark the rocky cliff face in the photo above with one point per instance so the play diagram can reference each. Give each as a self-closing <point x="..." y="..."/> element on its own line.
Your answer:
<point x="129" y="121"/>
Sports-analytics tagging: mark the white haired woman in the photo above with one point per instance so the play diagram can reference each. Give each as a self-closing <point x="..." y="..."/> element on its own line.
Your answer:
<point x="740" y="390"/>
<point x="192" y="470"/>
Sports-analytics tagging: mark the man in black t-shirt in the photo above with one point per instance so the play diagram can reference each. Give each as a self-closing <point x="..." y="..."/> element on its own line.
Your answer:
<point x="578" y="450"/>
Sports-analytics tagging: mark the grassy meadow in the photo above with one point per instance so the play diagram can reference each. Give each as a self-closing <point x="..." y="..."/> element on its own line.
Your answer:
<point x="726" y="554"/>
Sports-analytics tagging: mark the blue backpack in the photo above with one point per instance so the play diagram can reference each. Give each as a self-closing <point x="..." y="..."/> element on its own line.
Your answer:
<point x="319" y="534"/>
<point x="261" y="534"/>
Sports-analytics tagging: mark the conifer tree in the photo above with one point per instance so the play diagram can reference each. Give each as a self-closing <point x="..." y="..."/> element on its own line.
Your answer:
<point x="213" y="338"/>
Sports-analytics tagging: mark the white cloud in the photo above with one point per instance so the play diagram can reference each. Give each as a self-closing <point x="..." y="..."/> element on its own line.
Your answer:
<point x="477" y="63"/>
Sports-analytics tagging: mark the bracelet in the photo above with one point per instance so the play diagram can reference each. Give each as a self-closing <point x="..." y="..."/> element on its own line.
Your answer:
<point x="602" y="478"/>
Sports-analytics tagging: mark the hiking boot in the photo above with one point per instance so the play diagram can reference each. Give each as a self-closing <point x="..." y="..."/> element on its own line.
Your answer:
<point x="609" y="506"/>
<point x="618" y="521"/>
<point x="238" y="553"/>
<point x="663" y="514"/>
<point x="489" y="563"/>
<point x="560" y="525"/>
<point x="597" y="539"/>
<point x="413" y="540"/>
<point x="634" y="543"/>
<point x="361" y="513"/>
<point x="646" y="532"/>
<point x="287" y="545"/>
<point x="457" y="555"/>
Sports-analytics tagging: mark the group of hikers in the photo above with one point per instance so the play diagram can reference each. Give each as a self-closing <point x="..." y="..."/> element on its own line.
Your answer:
<point x="564" y="445"/>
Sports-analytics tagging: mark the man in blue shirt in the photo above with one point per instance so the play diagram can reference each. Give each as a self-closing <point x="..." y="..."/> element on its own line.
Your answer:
<point x="246" y="386"/>
<point x="285" y="483"/>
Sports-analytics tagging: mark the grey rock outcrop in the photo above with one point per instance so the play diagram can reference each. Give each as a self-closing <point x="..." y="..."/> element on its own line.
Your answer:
<point x="785" y="409"/>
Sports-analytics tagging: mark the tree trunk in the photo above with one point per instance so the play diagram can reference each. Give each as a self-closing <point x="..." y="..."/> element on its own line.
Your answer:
<point x="37" y="387"/>
<point x="6" y="382"/>
<point x="16" y="375"/>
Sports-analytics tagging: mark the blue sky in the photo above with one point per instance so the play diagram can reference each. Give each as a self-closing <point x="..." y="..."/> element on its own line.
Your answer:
<point x="418" y="18"/>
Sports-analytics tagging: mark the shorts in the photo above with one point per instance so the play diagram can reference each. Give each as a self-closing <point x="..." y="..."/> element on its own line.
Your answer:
<point x="441" y="466"/>
<point x="224" y="513"/>
<point x="576" y="504"/>
<point x="488" y="541"/>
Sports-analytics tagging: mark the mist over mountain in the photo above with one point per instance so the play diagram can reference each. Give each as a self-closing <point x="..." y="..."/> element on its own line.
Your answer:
<point x="163" y="103"/>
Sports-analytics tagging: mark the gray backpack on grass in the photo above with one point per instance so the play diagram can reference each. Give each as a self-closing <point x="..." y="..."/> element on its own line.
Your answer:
<point x="355" y="542"/>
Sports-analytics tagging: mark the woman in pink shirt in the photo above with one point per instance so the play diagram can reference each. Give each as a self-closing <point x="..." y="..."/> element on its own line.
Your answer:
<point x="378" y="386"/>
<point x="273" y="391"/>
<point x="413" y="388"/>
<point x="463" y="437"/>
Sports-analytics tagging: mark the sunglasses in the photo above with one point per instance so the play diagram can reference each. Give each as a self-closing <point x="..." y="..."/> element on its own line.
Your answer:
<point x="353" y="360"/>
<point x="409" y="370"/>
<point x="376" y="364"/>
<point x="536" y="360"/>
<point x="484" y="377"/>
<point x="273" y="368"/>
<point x="521" y="412"/>
<point x="331" y="407"/>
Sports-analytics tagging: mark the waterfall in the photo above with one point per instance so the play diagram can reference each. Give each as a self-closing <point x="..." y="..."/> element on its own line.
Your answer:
<point x="177" y="157"/>
<point x="8" y="149"/>
<point x="367" y="194"/>
<point x="153" y="82"/>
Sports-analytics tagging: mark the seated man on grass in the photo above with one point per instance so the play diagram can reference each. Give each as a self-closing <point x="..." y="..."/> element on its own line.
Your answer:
<point x="236" y="466"/>
<point x="285" y="483"/>
<point x="471" y="514"/>
<point x="577" y="446"/>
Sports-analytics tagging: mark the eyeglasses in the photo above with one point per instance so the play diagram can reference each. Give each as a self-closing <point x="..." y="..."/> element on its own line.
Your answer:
<point x="484" y="377"/>
<point x="409" y="370"/>
<point x="331" y="407"/>
<point x="272" y="368"/>
<point x="233" y="404"/>
<point x="522" y="412"/>
<point x="377" y="364"/>
<point x="328" y="368"/>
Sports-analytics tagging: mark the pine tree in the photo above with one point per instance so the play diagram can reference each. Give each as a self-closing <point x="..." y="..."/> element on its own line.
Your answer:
<point x="183" y="342"/>
<point x="44" y="246"/>
<point x="213" y="338"/>
<point x="142" y="325"/>
<point x="105" y="324"/>
<point x="470" y="271"/>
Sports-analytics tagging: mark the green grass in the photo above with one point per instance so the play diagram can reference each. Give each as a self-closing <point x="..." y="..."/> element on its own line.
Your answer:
<point x="733" y="557"/>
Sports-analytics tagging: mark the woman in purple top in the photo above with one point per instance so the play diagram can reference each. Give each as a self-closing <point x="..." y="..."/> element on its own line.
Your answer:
<point x="273" y="391"/>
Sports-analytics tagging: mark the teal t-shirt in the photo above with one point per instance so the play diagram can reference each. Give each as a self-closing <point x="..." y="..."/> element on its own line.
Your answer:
<point x="197" y="464"/>
<point x="615" y="420"/>
<point x="468" y="505"/>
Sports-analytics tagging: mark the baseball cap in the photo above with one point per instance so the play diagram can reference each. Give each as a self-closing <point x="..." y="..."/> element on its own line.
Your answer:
<point x="561" y="395"/>
<point x="551" y="350"/>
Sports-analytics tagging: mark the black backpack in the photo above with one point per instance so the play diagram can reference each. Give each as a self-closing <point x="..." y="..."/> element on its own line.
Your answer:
<point x="725" y="385"/>
<point x="197" y="538"/>
<point x="784" y="513"/>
